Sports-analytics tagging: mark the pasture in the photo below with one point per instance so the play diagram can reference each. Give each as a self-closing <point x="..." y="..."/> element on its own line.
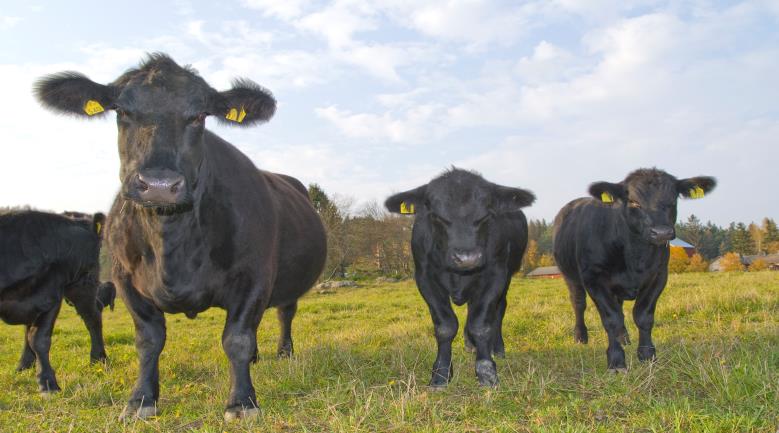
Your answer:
<point x="363" y="358"/>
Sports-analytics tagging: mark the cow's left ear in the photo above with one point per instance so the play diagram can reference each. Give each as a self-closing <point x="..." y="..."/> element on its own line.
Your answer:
<point x="74" y="93"/>
<point x="245" y="104"/>
<point x="98" y="223"/>
<point x="406" y="202"/>
<point x="512" y="199"/>
<point x="695" y="187"/>
<point x="607" y="192"/>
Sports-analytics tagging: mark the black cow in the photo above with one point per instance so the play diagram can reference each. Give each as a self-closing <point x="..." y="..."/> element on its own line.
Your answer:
<point x="196" y="224"/>
<point x="468" y="239"/>
<point x="615" y="247"/>
<point x="43" y="258"/>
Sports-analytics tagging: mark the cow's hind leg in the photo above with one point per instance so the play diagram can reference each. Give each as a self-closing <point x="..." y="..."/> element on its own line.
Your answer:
<point x="39" y="339"/>
<point x="28" y="356"/>
<point x="624" y="337"/>
<point x="286" y="314"/>
<point x="85" y="301"/>
<point x="498" y="346"/>
<point x="579" y="302"/>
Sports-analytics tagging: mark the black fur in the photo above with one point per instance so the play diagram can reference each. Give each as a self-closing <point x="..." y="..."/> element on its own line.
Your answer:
<point x="468" y="239"/>
<point x="223" y="234"/>
<point x="619" y="251"/>
<point x="45" y="258"/>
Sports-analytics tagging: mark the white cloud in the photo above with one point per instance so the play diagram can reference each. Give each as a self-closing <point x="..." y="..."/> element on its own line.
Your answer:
<point x="7" y="22"/>
<point x="284" y="9"/>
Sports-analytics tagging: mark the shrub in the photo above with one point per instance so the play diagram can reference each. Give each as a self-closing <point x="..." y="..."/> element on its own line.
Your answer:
<point x="731" y="262"/>
<point x="678" y="261"/>
<point x="758" y="265"/>
<point x="697" y="264"/>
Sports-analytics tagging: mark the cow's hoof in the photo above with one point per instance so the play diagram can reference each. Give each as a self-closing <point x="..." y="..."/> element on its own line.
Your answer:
<point x="48" y="387"/>
<point x="618" y="370"/>
<point x="100" y="358"/>
<point x="469" y="347"/>
<point x="47" y="394"/>
<point x="132" y="412"/>
<point x="646" y="353"/>
<point x="284" y="352"/>
<point x="240" y="412"/>
<point x="486" y="372"/>
<point x="499" y="354"/>
<point x="25" y="366"/>
<point x="580" y="336"/>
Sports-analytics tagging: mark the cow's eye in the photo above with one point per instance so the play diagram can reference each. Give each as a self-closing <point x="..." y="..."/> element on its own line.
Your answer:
<point x="482" y="220"/>
<point x="439" y="220"/>
<point x="634" y="204"/>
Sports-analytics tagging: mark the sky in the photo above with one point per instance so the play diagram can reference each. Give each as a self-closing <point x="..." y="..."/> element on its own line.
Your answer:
<point x="376" y="97"/>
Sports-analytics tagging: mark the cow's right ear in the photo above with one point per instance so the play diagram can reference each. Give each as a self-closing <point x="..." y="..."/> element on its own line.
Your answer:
<point x="98" y="223"/>
<point x="406" y="202"/>
<point x="608" y="192"/>
<point x="74" y="93"/>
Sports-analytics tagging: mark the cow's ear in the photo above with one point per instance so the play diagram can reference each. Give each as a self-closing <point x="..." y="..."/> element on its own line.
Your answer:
<point x="512" y="199"/>
<point x="407" y="202"/>
<point x="695" y="187"/>
<point x="98" y="223"/>
<point x="74" y="93"/>
<point x="608" y="192"/>
<point x="245" y="104"/>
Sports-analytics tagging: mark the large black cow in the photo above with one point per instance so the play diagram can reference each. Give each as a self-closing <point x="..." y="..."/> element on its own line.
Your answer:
<point x="44" y="258"/>
<point x="468" y="239"/>
<point x="196" y="224"/>
<point x="615" y="247"/>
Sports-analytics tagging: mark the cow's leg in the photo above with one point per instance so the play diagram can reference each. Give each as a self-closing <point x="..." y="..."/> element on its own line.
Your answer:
<point x="239" y="341"/>
<point x="39" y="339"/>
<point x="644" y="316"/>
<point x="445" y="326"/>
<point x="28" y="356"/>
<point x="469" y="346"/>
<point x="579" y="302"/>
<point x="150" y="334"/>
<point x="84" y="298"/>
<point x="498" y="346"/>
<point x="613" y="321"/>
<point x="285" y="315"/>
<point x="624" y="337"/>
<point x="482" y="319"/>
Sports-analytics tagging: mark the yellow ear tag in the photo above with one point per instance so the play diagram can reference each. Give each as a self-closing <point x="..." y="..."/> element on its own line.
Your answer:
<point x="93" y="107"/>
<point x="236" y="116"/>
<point x="232" y="115"/>
<point x="406" y="208"/>
<point x="98" y="226"/>
<point x="697" y="192"/>
<point x="606" y="197"/>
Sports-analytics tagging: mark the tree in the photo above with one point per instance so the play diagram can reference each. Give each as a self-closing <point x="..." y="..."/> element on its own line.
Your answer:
<point x="546" y="260"/>
<point x="697" y="264"/>
<point x="740" y="239"/>
<point x="757" y="235"/>
<point x="771" y="237"/>
<point x="530" y="261"/>
<point x="758" y="265"/>
<point x="678" y="260"/>
<point x="731" y="262"/>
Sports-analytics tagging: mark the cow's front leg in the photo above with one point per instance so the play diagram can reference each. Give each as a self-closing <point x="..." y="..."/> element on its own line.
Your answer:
<point x="445" y="326"/>
<point x="644" y="316"/>
<point x="498" y="346"/>
<point x="482" y="320"/>
<point x="239" y="340"/>
<point x="28" y="356"/>
<point x="39" y="339"/>
<point x="614" y="322"/>
<point x="150" y="334"/>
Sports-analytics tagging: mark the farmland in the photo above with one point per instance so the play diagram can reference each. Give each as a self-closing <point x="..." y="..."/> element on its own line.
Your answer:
<point x="363" y="358"/>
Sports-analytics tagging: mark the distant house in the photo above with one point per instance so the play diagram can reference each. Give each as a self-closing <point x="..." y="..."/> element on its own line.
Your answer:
<point x="545" y="272"/>
<point x="688" y="248"/>
<point x="772" y="260"/>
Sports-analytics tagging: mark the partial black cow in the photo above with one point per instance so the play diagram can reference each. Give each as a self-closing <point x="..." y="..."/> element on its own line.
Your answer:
<point x="196" y="224"/>
<point x="43" y="258"/>
<point x="468" y="239"/>
<point x="615" y="247"/>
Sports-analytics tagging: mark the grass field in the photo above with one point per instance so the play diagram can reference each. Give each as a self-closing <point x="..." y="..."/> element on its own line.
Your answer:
<point x="363" y="358"/>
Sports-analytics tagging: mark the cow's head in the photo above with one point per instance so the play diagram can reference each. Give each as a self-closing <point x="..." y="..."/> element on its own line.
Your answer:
<point x="161" y="109"/>
<point x="459" y="207"/>
<point x="647" y="199"/>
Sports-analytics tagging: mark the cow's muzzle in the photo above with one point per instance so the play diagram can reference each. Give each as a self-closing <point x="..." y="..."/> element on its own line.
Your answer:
<point x="158" y="188"/>
<point x="466" y="260"/>
<point x="661" y="234"/>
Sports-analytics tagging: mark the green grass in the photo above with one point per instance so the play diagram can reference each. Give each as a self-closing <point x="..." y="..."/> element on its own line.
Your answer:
<point x="363" y="358"/>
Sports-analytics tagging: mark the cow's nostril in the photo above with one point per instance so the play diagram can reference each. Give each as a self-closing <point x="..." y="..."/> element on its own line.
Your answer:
<point x="175" y="187"/>
<point x="143" y="186"/>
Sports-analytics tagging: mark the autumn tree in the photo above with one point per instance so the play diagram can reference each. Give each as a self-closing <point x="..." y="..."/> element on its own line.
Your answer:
<point x="678" y="260"/>
<point x="731" y="262"/>
<point x="530" y="260"/>
<point x="697" y="264"/>
<point x="758" y="265"/>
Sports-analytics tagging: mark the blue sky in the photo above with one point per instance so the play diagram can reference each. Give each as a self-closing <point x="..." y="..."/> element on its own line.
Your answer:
<point x="376" y="97"/>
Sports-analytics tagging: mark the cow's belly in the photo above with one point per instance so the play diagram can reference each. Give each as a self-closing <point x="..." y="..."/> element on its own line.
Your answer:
<point x="23" y="310"/>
